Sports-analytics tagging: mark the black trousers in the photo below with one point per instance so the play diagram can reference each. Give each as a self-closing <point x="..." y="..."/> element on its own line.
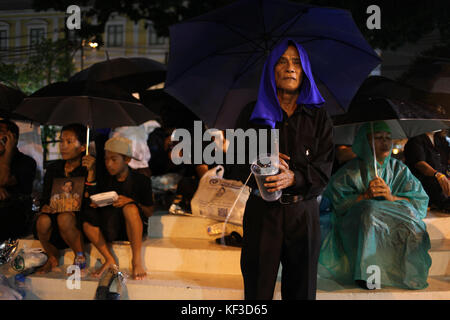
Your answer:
<point x="275" y="233"/>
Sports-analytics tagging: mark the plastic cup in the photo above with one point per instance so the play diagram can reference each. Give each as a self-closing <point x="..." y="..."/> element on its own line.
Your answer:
<point x="265" y="166"/>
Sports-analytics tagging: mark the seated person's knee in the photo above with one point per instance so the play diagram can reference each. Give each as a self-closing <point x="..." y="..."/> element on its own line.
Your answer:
<point x="65" y="221"/>
<point x="130" y="210"/>
<point x="43" y="223"/>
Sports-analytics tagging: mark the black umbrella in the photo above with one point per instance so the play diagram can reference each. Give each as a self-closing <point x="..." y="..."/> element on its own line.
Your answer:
<point x="406" y="119"/>
<point x="91" y="104"/>
<point x="10" y="98"/>
<point x="132" y="74"/>
<point x="408" y="111"/>
<point x="172" y="112"/>
<point x="431" y="77"/>
<point x="382" y="87"/>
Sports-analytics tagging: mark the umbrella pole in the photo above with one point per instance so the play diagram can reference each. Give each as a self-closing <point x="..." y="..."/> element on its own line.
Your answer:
<point x="87" y="141"/>
<point x="374" y="152"/>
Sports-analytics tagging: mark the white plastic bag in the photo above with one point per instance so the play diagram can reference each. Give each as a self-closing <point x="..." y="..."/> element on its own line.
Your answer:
<point x="215" y="196"/>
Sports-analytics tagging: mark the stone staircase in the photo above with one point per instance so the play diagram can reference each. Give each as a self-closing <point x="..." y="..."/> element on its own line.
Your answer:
<point x="184" y="262"/>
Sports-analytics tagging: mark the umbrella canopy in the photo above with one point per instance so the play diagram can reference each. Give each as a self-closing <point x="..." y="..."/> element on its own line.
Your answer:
<point x="10" y="98"/>
<point x="93" y="105"/>
<point x="382" y="87"/>
<point x="433" y="77"/>
<point x="172" y="112"/>
<point x="216" y="59"/>
<point x="131" y="74"/>
<point x="390" y="111"/>
<point x="406" y="118"/>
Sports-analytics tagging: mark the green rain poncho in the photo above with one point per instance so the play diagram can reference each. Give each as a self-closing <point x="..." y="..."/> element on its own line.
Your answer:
<point x="390" y="235"/>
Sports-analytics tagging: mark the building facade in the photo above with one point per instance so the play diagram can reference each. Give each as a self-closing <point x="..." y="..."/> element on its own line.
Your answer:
<point x="21" y="27"/>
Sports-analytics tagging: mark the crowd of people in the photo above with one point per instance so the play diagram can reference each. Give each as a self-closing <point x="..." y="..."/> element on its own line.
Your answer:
<point x="376" y="218"/>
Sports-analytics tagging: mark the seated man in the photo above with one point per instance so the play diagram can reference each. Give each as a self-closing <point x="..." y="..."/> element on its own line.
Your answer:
<point x="376" y="221"/>
<point x="423" y="156"/>
<point x="125" y="219"/>
<point x="17" y="172"/>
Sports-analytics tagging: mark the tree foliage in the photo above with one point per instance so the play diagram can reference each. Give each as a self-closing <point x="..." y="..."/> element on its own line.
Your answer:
<point x="49" y="61"/>
<point x="401" y="21"/>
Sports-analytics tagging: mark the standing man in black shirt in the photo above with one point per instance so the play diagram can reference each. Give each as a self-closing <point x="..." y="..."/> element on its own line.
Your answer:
<point x="17" y="172"/>
<point x="286" y="230"/>
<point x="423" y="157"/>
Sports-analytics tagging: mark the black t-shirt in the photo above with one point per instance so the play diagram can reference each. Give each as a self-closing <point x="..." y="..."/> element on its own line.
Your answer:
<point x="136" y="186"/>
<point x="56" y="170"/>
<point x="305" y="136"/>
<point x="420" y="148"/>
<point x="23" y="168"/>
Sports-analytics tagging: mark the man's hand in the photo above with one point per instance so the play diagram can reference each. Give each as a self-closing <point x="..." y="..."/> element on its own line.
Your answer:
<point x="444" y="183"/>
<point x="122" y="201"/>
<point x="4" y="194"/>
<point x="282" y="180"/>
<point x="379" y="188"/>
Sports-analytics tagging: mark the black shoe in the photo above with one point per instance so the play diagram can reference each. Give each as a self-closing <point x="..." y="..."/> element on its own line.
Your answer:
<point x="233" y="240"/>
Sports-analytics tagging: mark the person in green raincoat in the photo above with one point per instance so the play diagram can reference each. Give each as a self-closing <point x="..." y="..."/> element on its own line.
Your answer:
<point x="376" y="221"/>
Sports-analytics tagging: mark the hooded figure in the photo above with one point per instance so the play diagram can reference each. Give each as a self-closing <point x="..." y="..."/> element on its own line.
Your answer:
<point x="287" y="230"/>
<point x="371" y="230"/>
<point x="267" y="109"/>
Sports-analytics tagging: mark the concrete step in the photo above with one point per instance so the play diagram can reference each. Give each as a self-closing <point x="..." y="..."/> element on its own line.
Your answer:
<point x="200" y="286"/>
<point x="438" y="225"/>
<point x="205" y="256"/>
<point x="174" y="255"/>
<point x="166" y="225"/>
<point x="157" y="286"/>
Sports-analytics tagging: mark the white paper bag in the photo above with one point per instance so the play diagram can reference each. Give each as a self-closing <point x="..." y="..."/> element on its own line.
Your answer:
<point x="215" y="196"/>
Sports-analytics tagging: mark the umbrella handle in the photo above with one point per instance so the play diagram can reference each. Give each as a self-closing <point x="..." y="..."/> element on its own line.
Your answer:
<point x="374" y="152"/>
<point x="87" y="141"/>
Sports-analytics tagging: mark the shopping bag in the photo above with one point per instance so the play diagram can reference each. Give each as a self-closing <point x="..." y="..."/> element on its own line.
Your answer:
<point x="215" y="197"/>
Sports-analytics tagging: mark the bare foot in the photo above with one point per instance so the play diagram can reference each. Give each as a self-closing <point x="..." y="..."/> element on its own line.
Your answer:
<point x="97" y="273"/>
<point x="139" y="272"/>
<point x="50" y="265"/>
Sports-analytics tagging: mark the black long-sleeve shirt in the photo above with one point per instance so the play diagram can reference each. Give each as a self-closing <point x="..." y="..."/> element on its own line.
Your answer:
<point x="307" y="137"/>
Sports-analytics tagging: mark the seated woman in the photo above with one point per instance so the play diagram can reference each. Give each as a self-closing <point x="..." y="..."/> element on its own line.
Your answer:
<point x="376" y="221"/>
<point x="58" y="228"/>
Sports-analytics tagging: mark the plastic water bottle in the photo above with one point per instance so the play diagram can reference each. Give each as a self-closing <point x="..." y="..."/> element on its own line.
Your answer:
<point x="21" y="286"/>
<point x="80" y="260"/>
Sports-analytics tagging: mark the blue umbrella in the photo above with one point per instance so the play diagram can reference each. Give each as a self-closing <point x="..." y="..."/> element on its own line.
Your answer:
<point x="216" y="59"/>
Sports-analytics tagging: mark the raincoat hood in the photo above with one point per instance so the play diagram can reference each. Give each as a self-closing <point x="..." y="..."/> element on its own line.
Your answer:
<point x="362" y="146"/>
<point x="267" y="110"/>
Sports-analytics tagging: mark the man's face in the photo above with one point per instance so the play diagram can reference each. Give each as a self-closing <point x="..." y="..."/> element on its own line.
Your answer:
<point x="383" y="144"/>
<point x="67" y="187"/>
<point x="114" y="162"/>
<point x="288" y="70"/>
